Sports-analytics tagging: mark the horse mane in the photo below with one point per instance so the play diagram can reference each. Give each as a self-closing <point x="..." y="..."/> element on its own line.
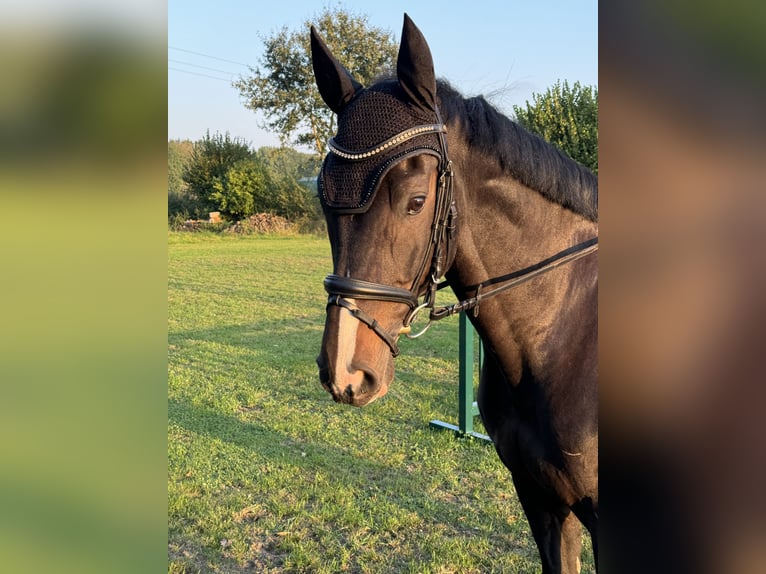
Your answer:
<point x="523" y="155"/>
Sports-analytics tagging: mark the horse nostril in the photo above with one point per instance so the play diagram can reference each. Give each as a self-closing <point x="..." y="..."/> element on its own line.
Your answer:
<point x="369" y="382"/>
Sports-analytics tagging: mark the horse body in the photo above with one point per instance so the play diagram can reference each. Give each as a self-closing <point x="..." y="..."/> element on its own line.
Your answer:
<point x="516" y="202"/>
<point x="544" y="329"/>
<point x="538" y="395"/>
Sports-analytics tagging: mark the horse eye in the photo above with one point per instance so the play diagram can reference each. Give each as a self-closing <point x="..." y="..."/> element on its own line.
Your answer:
<point x="416" y="204"/>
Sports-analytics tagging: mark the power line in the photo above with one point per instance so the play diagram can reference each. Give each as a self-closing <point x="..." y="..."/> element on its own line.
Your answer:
<point x="202" y="67"/>
<point x="199" y="74"/>
<point x="209" y="56"/>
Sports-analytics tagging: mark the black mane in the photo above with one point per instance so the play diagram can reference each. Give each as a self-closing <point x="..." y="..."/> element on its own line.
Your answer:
<point x="523" y="155"/>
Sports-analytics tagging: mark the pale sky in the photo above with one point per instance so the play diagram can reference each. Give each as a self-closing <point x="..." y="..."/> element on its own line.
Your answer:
<point x="504" y="50"/>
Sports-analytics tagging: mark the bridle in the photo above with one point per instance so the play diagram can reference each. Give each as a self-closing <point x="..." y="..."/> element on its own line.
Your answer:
<point x="440" y="253"/>
<point x="440" y="249"/>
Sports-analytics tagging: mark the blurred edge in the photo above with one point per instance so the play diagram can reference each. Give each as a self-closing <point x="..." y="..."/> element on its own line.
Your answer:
<point x="83" y="370"/>
<point x="83" y="124"/>
<point x="683" y="286"/>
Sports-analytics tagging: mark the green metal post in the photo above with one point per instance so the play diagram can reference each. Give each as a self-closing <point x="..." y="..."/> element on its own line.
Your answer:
<point x="465" y="376"/>
<point x="467" y="408"/>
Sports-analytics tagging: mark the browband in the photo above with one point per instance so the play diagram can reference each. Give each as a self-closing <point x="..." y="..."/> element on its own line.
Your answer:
<point x="389" y="143"/>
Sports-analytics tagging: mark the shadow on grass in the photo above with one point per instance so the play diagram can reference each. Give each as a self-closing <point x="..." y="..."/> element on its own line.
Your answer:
<point x="404" y="483"/>
<point x="277" y="349"/>
<point x="286" y="350"/>
<point x="303" y="331"/>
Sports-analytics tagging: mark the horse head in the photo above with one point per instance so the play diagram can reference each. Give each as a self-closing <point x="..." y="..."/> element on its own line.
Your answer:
<point x="380" y="192"/>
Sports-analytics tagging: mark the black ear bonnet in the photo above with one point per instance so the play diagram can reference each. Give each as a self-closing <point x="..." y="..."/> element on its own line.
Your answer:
<point x="376" y="130"/>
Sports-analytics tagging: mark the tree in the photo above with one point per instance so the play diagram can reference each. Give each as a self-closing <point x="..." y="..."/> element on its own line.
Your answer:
<point x="267" y="182"/>
<point x="293" y="179"/>
<point x="283" y="87"/>
<point x="567" y="118"/>
<point x="179" y="153"/>
<point x="181" y="204"/>
<point x="244" y="189"/>
<point x="211" y="158"/>
<point x="287" y="160"/>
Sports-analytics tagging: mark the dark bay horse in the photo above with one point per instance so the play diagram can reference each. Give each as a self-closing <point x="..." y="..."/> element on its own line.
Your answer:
<point x="421" y="183"/>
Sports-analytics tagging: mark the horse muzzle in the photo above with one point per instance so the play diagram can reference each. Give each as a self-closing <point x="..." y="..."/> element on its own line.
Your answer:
<point x="358" y="387"/>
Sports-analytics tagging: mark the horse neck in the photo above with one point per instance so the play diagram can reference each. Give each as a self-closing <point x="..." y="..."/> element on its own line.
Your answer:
<point x="504" y="226"/>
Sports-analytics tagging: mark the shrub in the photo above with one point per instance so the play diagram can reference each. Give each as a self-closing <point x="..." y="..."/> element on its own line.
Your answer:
<point x="211" y="158"/>
<point x="243" y="190"/>
<point x="567" y="118"/>
<point x="261" y="223"/>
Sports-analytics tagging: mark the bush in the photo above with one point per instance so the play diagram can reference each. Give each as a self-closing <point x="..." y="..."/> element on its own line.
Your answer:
<point x="176" y="220"/>
<point x="311" y="225"/>
<point x="198" y="225"/>
<point x="220" y="173"/>
<point x="293" y="179"/>
<point x="182" y="205"/>
<point x="567" y="118"/>
<point x="211" y="158"/>
<point x="261" y="223"/>
<point x="243" y="190"/>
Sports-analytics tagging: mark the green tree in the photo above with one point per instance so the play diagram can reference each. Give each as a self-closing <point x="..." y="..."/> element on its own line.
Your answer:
<point x="244" y="189"/>
<point x="567" y="117"/>
<point x="268" y="182"/>
<point x="179" y="153"/>
<point x="283" y="87"/>
<point x="211" y="158"/>
<point x="288" y="160"/>
<point x="181" y="204"/>
<point x="293" y="178"/>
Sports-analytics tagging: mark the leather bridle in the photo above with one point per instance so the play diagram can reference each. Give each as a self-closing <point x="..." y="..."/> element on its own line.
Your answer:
<point x="440" y="249"/>
<point x="440" y="253"/>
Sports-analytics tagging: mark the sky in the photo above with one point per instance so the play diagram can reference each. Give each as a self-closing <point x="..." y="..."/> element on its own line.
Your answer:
<point x="503" y="49"/>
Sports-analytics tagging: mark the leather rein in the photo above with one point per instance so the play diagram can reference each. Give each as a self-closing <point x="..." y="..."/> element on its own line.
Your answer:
<point x="441" y="250"/>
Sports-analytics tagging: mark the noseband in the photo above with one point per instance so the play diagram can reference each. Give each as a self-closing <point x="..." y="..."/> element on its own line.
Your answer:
<point x="440" y="248"/>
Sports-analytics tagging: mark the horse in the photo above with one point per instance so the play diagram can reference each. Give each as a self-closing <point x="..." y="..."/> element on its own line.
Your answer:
<point x="422" y="188"/>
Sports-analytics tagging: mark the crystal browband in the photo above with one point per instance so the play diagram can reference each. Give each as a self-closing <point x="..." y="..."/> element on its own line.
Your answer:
<point x="391" y="142"/>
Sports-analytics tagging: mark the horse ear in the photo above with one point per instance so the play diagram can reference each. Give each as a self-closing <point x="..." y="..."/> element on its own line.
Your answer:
<point x="335" y="83"/>
<point x="415" y="67"/>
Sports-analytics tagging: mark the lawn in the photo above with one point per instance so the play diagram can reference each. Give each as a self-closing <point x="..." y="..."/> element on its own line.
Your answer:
<point x="267" y="474"/>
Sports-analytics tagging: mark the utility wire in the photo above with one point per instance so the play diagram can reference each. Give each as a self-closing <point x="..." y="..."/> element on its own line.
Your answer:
<point x="209" y="56"/>
<point x="199" y="74"/>
<point x="202" y="67"/>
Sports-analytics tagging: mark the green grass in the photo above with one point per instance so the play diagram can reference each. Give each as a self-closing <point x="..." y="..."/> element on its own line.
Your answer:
<point x="267" y="474"/>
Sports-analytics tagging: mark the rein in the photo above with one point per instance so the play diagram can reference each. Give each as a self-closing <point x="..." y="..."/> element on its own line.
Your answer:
<point x="513" y="279"/>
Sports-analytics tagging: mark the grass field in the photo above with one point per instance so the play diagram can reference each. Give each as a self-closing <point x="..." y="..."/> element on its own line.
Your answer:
<point x="267" y="474"/>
